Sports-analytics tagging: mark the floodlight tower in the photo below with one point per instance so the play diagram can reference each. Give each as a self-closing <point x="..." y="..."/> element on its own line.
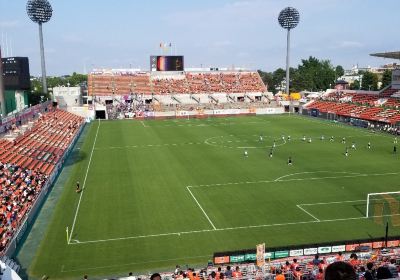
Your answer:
<point x="3" y="112"/>
<point x="288" y="19"/>
<point x="40" y="11"/>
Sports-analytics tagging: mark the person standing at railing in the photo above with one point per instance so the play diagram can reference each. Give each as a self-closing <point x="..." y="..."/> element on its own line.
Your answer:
<point x="279" y="275"/>
<point x="237" y="273"/>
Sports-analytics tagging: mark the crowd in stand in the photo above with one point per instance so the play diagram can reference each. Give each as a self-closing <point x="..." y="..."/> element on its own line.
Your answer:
<point x="189" y="82"/>
<point x="349" y="266"/>
<point x="19" y="188"/>
<point x="26" y="163"/>
<point x="371" y="107"/>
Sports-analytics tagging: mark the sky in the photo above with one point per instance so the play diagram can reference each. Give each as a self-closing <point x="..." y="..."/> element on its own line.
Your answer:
<point x="87" y="34"/>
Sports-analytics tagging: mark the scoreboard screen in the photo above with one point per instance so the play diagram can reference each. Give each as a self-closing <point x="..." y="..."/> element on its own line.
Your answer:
<point x="16" y="74"/>
<point x="166" y="63"/>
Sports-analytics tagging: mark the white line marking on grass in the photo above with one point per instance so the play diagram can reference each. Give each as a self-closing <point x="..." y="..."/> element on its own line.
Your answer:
<point x="338" y="202"/>
<point x="132" y="263"/>
<point x="315" y="218"/>
<point x="201" y="208"/>
<point x="144" y="125"/>
<point x="299" y="179"/>
<point x="232" y="228"/>
<point x="83" y="186"/>
<point x="311" y="172"/>
<point x="221" y="143"/>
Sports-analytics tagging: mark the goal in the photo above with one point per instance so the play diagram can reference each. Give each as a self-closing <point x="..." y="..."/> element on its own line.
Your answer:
<point x="383" y="204"/>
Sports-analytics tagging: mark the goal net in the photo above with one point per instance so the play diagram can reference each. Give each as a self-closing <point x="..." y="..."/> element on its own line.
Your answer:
<point x="385" y="204"/>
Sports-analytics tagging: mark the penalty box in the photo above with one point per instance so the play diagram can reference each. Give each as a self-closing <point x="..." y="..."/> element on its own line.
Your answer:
<point x="292" y="200"/>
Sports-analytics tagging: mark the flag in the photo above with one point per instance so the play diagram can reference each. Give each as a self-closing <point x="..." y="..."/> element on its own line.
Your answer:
<point x="260" y="254"/>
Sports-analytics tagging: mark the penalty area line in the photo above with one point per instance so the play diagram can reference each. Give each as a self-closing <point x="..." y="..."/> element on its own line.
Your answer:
<point x="144" y="125"/>
<point x="201" y="208"/>
<point x="308" y="213"/>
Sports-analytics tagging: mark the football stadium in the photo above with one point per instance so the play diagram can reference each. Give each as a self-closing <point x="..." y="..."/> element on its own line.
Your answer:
<point x="175" y="172"/>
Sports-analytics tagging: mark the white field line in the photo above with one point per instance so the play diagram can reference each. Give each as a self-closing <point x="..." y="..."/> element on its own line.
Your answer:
<point x="149" y="146"/>
<point x="221" y="144"/>
<point x="305" y="211"/>
<point x="132" y="263"/>
<point x="297" y="179"/>
<point x="144" y="125"/>
<point x="336" y="202"/>
<point x="311" y="172"/>
<point x="201" y="208"/>
<point x="231" y="229"/>
<point x="247" y="227"/>
<point x="83" y="186"/>
<point x="196" y="124"/>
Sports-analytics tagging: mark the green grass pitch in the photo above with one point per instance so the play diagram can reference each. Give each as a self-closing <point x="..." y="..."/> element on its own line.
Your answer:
<point x="160" y="193"/>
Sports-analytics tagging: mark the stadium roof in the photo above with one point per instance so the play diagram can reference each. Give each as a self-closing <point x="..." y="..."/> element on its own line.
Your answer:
<point x="394" y="55"/>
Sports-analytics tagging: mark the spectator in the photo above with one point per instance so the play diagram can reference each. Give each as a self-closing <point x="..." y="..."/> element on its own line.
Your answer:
<point x="294" y="265"/>
<point x="339" y="257"/>
<point x="279" y="275"/>
<point x="393" y="268"/>
<point x="237" y="273"/>
<point x="370" y="273"/>
<point x="228" y="272"/>
<point x="383" y="273"/>
<point x="155" y="276"/>
<point x="218" y="273"/>
<point x="340" y="271"/>
<point x="320" y="274"/>
<point x="212" y="276"/>
<point x="316" y="260"/>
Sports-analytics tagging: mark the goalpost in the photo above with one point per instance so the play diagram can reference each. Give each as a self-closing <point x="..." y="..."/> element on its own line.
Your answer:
<point x="377" y="203"/>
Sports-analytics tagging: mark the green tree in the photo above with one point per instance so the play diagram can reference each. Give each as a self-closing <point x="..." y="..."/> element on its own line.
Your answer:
<point x="314" y="74"/>
<point x="277" y="77"/>
<point x="369" y="81"/>
<point x="267" y="79"/>
<point x="355" y="85"/>
<point x="386" y="78"/>
<point x="36" y="95"/>
<point x="339" y="71"/>
<point x="77" y="79"/>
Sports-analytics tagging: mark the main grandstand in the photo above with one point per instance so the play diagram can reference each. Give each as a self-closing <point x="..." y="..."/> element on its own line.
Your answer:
<point x="131" y="93"/>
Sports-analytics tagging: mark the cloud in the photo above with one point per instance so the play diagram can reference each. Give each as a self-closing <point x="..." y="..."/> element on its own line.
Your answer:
<point x="350" y="44"/>
<point x="223" y="43"/>
<point x="72" y="38"/>
<point x="9" y="23"/>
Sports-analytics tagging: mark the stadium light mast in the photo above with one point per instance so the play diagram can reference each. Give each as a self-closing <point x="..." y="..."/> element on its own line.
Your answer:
<point x="288" y="19"/>
<point x="40" y="11"/>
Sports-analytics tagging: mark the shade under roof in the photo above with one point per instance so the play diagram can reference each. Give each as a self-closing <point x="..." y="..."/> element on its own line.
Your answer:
<point x="394" y="55"/>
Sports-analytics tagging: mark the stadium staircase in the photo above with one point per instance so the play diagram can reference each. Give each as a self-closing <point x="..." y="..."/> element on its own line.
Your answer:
<point x="195" y="99"/>
<point x="212" y="98"/>
<point x="174" y="98"/>
<point x="249" y="97"/>
<point x="230" y="98"/>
